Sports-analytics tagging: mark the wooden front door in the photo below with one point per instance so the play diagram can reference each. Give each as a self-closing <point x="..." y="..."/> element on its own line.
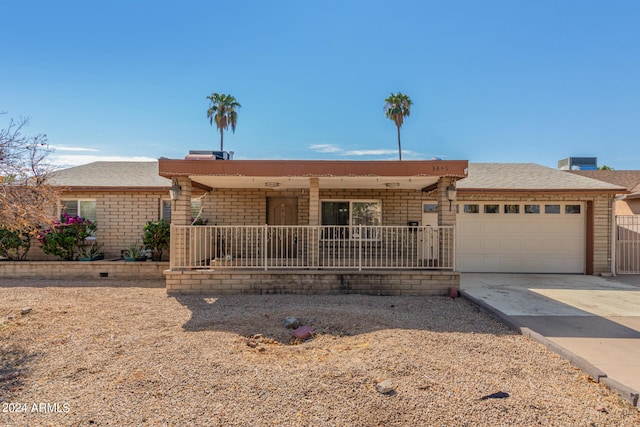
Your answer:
<point x="283" y="241"/>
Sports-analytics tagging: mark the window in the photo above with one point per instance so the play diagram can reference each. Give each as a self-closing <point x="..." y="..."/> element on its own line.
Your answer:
<point x="430" y="207"/>
<point x="165" y="209"/>
<point x="532" y="209"/>
<point x="491" y="209"/>
<point x="512" y="209"/>
<point x="82" y="208"/>
<point x="572" y="209"/>
<point x="351" y="213"/>
<point x="552" y="209"/>
<point x="343" y="213"/>
<point x="472" y="209"/>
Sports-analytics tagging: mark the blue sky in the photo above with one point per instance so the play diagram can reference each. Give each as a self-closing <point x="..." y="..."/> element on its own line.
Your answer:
<point x="491" y="81"/>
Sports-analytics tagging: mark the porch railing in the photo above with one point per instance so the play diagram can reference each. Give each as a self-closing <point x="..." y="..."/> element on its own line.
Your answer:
<point x="312" y="247"/>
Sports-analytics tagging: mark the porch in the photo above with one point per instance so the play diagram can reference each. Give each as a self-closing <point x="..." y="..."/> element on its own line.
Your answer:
<point x="313" y="226"/>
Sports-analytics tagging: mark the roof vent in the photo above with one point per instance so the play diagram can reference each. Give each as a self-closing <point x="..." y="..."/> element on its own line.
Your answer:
<point x="209" y="155"/>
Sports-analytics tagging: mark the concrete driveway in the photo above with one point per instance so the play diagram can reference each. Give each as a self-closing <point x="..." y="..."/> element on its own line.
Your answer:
<point x="592" y="321"/>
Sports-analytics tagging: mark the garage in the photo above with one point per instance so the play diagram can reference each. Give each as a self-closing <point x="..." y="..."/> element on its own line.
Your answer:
<point x="521" y="237"/>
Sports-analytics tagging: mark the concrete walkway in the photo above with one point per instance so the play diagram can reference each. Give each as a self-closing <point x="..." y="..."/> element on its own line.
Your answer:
<point x="592" y="321"/>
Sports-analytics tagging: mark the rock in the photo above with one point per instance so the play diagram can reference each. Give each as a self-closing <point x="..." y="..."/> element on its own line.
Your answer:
<point x="601" y="408"/>
<point x="25" y="310"/>
<point x="384" y="387"/>
<point x="10" y="317"/>
<point x="303" y="332"/>
<point x="291" y="322"/>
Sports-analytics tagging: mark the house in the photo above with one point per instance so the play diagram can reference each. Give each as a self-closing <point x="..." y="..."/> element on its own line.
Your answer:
<point x="348" y="226"/>
<point x="120" y="196"/>
<point x="309" y="224"/>
<point x="629" y="201"/>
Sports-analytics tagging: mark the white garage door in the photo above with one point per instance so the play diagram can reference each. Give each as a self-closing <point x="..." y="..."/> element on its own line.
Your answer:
<point x="521" y="237"/>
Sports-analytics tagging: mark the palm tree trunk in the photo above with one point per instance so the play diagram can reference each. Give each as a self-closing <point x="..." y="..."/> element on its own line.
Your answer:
<point x="221" y="139"/>
<point x="399" y="149"/>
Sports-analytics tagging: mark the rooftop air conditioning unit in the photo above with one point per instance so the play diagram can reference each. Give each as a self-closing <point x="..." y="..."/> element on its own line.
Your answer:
<point x="209" y="155"/>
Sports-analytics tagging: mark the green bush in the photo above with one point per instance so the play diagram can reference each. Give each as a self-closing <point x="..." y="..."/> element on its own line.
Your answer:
<point x="66" y="237"/>
<point x="156" y="236"/>
<point x="14" y="245"/>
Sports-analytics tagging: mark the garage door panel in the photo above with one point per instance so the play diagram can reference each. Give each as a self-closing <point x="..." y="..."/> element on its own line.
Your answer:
<point x="531" y="243"/>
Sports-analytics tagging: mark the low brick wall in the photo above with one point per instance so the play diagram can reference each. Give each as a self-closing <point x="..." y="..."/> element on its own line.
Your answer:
<point x="312" y="282"/>
<point x="82" y="269"/>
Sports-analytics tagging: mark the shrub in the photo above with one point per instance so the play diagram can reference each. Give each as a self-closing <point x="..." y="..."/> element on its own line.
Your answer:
<point x="14" y="244"/>
<point x="156" y="236"/>
<point x="65" y="237"/>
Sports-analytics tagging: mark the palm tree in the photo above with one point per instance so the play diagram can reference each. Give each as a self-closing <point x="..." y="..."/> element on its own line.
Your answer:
<point x="222" y="110"/>
<point x="398" y="106"/>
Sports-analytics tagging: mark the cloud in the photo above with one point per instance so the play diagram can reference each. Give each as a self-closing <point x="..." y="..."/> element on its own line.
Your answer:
<point x="371" y="152"/>
<point x="69" y="160"/>
<point x="326" y="148"/>
<point x="65" y="148"/>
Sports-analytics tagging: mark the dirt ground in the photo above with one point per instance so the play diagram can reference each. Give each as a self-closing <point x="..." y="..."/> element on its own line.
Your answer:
<point x="113" y="353"/>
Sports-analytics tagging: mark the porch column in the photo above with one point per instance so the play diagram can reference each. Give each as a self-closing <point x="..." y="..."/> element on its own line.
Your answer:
<point x="180" y="215"/>
<point x="446" y="217"/>
<point x="314" y="201"/>
<point x="314" y="220"/>
<point x="181" y="208"/>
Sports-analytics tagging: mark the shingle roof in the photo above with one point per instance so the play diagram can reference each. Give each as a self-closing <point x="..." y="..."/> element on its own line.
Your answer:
<point x="527" y="176"/>
<point x="111" y="174"/>
<point x="628" y="179"/>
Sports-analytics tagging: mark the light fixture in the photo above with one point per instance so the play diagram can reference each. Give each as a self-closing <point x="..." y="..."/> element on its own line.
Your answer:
<point x="271" y="184"/>
<point x="452" y="192"/>
<point x="175" y="190"/>
<point x="392" y="184"/>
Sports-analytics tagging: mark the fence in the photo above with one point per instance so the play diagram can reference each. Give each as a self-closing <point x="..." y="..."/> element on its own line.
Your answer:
<point x="312" y="247"/>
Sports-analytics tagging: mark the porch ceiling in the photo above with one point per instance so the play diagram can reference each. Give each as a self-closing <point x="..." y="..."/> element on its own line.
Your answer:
<point x="346" y="182"/>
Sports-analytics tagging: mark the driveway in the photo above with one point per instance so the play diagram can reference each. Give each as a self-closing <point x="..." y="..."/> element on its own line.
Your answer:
<point x="593" y="321"/>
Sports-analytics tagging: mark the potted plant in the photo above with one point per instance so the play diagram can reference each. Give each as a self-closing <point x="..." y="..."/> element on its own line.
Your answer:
<point x="156" y="237"/>
<point x="134" y="253"/>
<point x="90" y="253"/>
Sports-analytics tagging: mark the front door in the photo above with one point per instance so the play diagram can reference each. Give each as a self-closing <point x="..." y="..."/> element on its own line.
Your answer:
<point x="283" y="240"/>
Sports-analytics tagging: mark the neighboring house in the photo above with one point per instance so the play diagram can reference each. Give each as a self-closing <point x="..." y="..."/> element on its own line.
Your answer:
<point x="627" y="216"/>
<point x="121" y="196"/>
<point x="626" y="204"/>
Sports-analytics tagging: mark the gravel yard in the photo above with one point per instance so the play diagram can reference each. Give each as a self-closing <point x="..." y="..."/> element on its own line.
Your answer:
<point x="116" y="354"/>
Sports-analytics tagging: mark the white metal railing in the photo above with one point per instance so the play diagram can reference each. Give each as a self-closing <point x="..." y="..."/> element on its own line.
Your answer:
<point x="628" y="244"/>
<point x="316" y="247"/>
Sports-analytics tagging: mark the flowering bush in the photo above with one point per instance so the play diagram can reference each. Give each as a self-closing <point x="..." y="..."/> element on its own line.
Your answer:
<point x="14" y="244"/>
<point x="64" y="238"/>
